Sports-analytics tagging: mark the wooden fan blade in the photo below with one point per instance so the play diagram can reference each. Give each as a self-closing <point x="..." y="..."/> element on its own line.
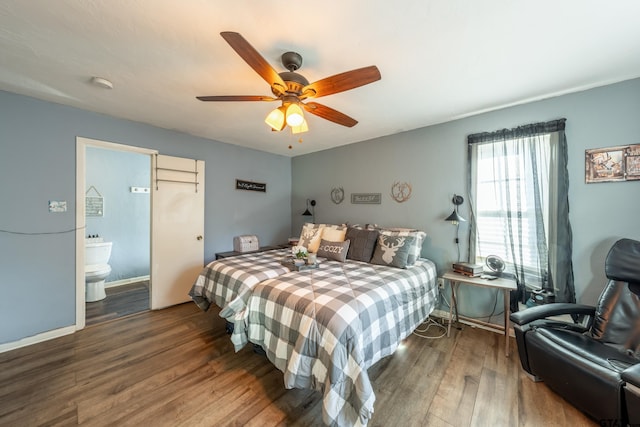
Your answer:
<point x="236" y="98"/>
<point x="255" y="60"/>
<point x="330" y="114"/>
<point x="341" y="82"/>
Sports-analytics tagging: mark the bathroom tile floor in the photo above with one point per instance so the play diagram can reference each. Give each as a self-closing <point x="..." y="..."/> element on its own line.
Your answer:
<point x="120" y="301"/>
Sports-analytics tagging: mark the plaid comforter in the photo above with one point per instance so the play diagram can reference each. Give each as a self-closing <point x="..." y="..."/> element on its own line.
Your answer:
<point x="324" y="328"/>
<point x="228" y="283"/>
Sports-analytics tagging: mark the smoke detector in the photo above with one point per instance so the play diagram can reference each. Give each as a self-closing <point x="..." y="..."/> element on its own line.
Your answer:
<point x="101" y="82"/>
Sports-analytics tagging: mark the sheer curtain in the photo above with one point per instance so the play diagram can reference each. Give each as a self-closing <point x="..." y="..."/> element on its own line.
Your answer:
<point x="518" y="192"/>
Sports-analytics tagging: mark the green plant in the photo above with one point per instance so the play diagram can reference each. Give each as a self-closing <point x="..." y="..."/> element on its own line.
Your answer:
<point x="299" y="252"/>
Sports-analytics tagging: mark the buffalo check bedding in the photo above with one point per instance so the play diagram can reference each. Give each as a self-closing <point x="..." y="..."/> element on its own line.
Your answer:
<point x="324" y="328"/>
<point x="228" y="282"/>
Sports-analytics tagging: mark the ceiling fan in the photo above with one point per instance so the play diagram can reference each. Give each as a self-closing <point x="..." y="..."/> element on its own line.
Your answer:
<point x="291" y="88"/>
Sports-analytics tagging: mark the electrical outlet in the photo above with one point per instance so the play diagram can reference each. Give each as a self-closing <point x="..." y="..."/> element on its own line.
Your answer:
<point x="440" y="283"/>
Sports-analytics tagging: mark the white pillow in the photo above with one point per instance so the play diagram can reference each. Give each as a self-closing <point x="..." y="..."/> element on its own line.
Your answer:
<point x="334" y="234"/>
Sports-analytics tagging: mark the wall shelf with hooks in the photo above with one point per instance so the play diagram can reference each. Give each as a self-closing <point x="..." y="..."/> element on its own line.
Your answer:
<point x="179" y="176"/>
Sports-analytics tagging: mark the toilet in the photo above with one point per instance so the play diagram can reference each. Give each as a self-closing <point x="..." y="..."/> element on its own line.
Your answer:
<point x="96" y="255"/>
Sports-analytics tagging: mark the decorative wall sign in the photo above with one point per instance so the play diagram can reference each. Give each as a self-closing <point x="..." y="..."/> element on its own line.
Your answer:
<point x="251" y="186"/>
<point x="610" y="164"/>
<point x="366" y="198"/>
<point x="94" y="205"/>
<point x="337" y="195"/>
<point x="401" y="191"/>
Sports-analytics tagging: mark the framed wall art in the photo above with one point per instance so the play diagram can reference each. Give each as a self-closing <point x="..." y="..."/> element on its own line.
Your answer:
<point x="632" y="159"/>
<point x="366" y="198"/>
<point x="604" y="164"/>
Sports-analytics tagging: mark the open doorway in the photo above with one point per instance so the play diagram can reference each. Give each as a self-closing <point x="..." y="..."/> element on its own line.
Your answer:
<point x="113" y="209"/>
<point x="117" y="212"/>
<point x="177" y="224"/>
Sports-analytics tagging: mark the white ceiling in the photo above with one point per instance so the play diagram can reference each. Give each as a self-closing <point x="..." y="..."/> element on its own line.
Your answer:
<point x="439" y="59"/>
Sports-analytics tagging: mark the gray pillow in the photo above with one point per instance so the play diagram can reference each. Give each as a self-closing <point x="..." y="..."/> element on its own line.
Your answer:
<point x="363" y="242"/>
<point x="419" y="236"/>
<point x="333" y="250"/>
<point x="393" y="250"/>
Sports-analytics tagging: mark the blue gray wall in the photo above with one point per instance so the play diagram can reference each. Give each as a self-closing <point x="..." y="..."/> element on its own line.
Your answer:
<point x="433" y="160"/>
<point x="126" y="217"/>
<point x="38" y="164"/>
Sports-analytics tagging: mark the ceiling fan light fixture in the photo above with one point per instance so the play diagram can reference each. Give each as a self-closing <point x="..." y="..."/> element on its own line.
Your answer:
<point x="295" y="117"/>
<point x="276" y="119"/>
<point x="291" y="88"/>
<point x="300" y="129"/>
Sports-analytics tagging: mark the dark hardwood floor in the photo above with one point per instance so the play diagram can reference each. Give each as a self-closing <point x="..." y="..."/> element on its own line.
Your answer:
<point x="177" y="367"/>
<point x="120" y="301"/>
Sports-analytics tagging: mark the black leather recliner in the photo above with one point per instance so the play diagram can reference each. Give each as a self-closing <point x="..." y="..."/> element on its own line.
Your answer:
<point x="589" y="358"/>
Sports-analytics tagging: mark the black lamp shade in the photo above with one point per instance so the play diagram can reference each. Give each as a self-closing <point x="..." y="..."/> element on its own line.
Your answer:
<point x="307" y="212"/>
<point x="454" y="217"/>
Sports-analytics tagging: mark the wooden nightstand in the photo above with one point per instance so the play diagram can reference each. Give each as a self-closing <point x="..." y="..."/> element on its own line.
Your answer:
<point x="228" y="254"/>
<point x="505" y="285"/>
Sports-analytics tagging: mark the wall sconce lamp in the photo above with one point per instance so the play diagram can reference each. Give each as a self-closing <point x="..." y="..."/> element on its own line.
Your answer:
<point x="455" y="218"/>
<point x="311" y="213"/>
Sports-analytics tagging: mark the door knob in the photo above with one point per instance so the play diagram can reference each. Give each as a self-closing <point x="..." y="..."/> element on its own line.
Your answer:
<point x="199" y="238"/>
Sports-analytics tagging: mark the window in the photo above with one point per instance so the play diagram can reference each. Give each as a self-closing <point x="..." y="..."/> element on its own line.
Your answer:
<point x="517" y="191"/>
<point x="504" y="204"/>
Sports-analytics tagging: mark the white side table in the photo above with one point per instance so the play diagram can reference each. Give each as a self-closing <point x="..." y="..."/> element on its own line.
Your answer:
<point x="506" y="285"/>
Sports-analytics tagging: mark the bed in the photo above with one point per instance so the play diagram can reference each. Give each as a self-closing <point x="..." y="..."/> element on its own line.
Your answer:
<point x="228" y="282"/>
<point x="323" y="328"/>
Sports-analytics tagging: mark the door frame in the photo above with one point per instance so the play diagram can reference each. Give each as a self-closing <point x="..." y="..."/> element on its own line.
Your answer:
<point x="81" y="168"/>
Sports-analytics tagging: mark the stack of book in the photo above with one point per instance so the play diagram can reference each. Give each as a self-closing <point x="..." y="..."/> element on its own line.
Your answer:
<point x="468" y="269"/>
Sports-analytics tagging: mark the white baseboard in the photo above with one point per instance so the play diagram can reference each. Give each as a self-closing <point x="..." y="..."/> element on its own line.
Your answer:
<point x="128" y="281"/>
<point x="56" y="333"/>
<point x="45" y="336"/>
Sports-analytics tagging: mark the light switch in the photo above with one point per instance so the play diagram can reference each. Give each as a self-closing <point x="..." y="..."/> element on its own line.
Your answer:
<point x="57" y="205"/>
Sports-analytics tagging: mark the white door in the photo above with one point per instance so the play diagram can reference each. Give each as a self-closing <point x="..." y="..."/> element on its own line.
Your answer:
<point x="177" y="243"/>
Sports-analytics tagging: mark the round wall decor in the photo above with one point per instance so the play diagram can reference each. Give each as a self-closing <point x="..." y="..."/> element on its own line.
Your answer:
<point x="337" y="195"/>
